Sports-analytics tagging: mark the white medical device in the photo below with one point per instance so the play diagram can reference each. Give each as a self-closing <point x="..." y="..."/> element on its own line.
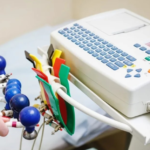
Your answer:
<point x="110" y="53"/>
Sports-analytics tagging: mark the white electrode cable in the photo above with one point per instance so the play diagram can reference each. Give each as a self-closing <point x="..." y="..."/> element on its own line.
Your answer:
<point x="2" y="99"/>
<point x="93" y="114"/>
<point x="88" y="111"/>
<point x="21" y="139"/>
<point x="38" y="134"/>
<point x="42" y="134"/>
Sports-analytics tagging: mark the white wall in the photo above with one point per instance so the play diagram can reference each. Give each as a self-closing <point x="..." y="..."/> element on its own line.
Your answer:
<point x="83" y="8"/>
<point x="20" y="16"/>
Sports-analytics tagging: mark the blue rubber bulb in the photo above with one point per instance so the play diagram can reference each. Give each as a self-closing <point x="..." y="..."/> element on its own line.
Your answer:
<point x="14" y="81"/>
<point x="9" y="94"/>
<point x="17" y="103"/>
<point x="12" y="85"/>
<point x="29" y="117"/>
<point x="2" y="65"/>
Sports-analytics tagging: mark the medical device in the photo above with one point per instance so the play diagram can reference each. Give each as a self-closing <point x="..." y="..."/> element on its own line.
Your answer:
<point x="110" y="54"/>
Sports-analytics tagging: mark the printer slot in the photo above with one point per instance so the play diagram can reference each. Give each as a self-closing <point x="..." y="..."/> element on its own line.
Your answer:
<point x="117" y="24"/>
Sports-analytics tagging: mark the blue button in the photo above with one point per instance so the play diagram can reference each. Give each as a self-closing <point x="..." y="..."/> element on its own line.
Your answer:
<point x="106" y="49"/>
<point x="143" y="48"/>
<point x="119" y="51"/>
<point x="98" y="50"/>
<point x="76" y="30"/>
<point x="119" y="64"/>
<point x="109" y="45"/>
<point x="92" y="40"/>
<point x="72" y="28"/>
<point x="116" y="55"/>
<point x="65" y="35"/>
<point x="79" y="27"/>
<point x="128" y="62"/>
<point x="100" y="39"/>
<point x="80" y="32"/>
<point x="69" y="37"/>
<point x="93" y="47"/>
<point x="73" y="40"/>
<point x="121" y="58"/>
<point x="127" y="76"/>
<point x="65" y="29"/>
<point x="77" y="43"/>
<point x="85" y="42"/>
<point x="129" y="70"/>
<point x="77" y="36"/>
<point x="88" y="38"/>
<point x="104" y="61"/>
<point x="112" y="59"/>
<point x="69" y="31"/>
<point x="84" y="35"/>
<point x="103" y="53"/>
<point x="112" y="66"/>
<point x="81" y="39"/>
<point x="95" y="37"/>
<point x="137" y="45"/>
<point x="148" y="52"/>
<point x="107" y="56"/>
<point x="111" y="52"/>
<point x="61" y="31"/>
<point x="124" y="54"/>
<point x="91" y="34"/>
<point x="81" y="45"/>
<point x="99" y="57"/>
<point x="94" y="54"/>
<point x="76" y="24"/>
<point x="96" y="43"/>
<point x="73" y="34"/>
<point x="86" y="48"/>
<point x="101" y="46"/>
<point x="89" y="44"/>
<point x="83" y="29"/>
<point x="87" y="32"/>
<point x="138" y="70"/>
<point x="104" y="42"/>
<point x="90" y="52"/>
<point x="137" y="75"/>
<point x="131" y="58"/>
<point x="114" y="48"/>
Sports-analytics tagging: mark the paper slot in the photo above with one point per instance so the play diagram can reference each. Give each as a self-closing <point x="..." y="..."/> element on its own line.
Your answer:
<point x="117" y="24"/>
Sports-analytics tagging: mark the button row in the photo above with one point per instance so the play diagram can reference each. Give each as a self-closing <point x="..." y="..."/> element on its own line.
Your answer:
<point x="137" y="70"/>
<point x="136" y="76"/>
<point x="142" y="48"/>
<point x="98" y="47"/>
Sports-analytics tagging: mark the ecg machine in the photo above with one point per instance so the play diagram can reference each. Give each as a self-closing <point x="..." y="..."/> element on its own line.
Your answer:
<point x="110" y="53"/>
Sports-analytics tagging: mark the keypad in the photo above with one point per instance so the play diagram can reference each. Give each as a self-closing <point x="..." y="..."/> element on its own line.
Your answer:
<point x="148" y="52"/>
<point x="139" y="70"/>
<point x="97" y="47"/>
<point x="131" y="58"/>
<point x="142" y="48"/>
<point x="127" y="76"/>
<point x="119" y="64"/>
<point x="121" y="58"/>
<point x="128" y="63"/>
<point x="137" y="45"/>
<point x="129" y="70"/>
<point x="137" y="75"/>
